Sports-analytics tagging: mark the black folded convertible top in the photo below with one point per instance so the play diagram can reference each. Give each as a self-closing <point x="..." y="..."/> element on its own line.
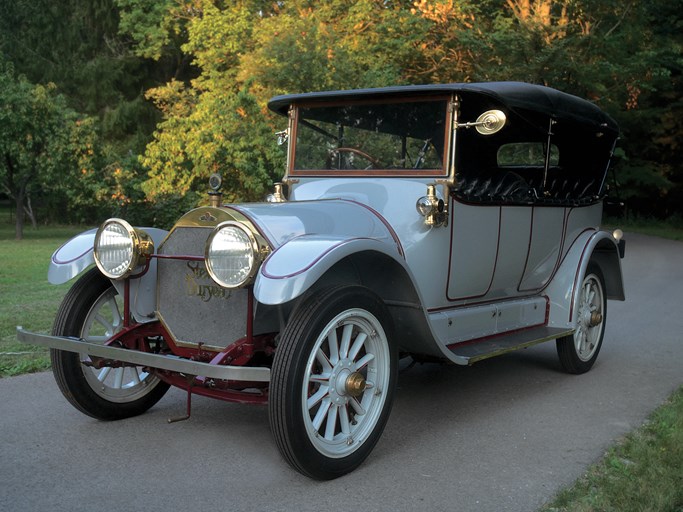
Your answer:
<point x="513" y="95"/>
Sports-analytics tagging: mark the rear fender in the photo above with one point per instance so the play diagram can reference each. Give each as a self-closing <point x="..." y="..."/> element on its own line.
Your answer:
<point x="599" y="248"/>
<point x="295" y="266"/>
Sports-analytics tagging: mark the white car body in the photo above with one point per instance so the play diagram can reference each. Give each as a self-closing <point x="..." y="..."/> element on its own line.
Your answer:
<point x="465" y="218"/>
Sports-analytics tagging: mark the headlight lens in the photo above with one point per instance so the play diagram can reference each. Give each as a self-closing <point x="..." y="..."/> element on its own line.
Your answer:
<point x="231" y="255"/>
<point x="119" y="248"/>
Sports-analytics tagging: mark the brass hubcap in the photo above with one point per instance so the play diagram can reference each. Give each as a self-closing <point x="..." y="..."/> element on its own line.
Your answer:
<point x="355" y="384"/>
<point x="596" y="319"/>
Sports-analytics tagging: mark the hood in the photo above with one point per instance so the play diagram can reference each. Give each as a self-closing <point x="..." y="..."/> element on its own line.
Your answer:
<point x="343" y="218"/>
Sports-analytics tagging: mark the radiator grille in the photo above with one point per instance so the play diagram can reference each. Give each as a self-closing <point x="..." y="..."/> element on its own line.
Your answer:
<point x="191" y="305"/>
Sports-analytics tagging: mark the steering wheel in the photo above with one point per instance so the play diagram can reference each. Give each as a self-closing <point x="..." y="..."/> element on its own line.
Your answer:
<point x="374" y="163"/>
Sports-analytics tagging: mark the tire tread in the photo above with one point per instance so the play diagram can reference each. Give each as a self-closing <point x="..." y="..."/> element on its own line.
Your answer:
<point x="66" y="366"/>
<point x="286" y="365"/>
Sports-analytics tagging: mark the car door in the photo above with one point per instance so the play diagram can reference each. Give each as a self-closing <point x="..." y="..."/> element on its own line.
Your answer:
<point x="489" y="249"/>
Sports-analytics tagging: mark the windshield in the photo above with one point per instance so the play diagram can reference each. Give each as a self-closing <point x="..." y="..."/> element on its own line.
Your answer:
<point x="392" y="137"/>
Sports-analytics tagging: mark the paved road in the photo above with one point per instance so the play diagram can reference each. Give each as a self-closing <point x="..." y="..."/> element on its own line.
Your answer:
<point x="503" y="435"/>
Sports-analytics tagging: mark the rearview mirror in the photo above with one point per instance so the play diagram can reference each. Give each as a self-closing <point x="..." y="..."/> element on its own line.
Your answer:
<point x="488" y="123"/>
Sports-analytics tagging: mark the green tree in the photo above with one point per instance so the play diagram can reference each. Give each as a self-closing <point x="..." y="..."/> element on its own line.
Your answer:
<point x="215" y="123"/>
<point x="210" y="66"/>
<point x="88" y="55"/>
<point x="624" y="56"/>
<point x="42" y="142"/>
<point x="245" y="53"/>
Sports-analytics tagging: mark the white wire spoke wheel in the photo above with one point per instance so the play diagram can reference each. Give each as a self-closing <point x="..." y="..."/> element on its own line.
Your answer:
<point x="347" y="374"/>
<point x="121" y="384"/>
<point x="333" y="380"/>
<point x="579" y="351"/>
<point x="92" y="310"/>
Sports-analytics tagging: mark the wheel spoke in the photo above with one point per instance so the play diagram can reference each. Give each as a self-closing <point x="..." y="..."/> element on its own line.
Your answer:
<point x="117" y="320"/>
<point x="319" y="395"/>
<point x="108" y="326"/>
<point x="321" y="357"/>
<point x="363" y="361"/>
<point x="344" y="420"/>
<point x="136" y="376"/>
<point x="97" y="339"/>
<point x="357" y="406"/>
<point x="118" y="378"/>
<point x="323" y="378"/>
<point x="587" y="342"/>
<point x="320" y="415"/>
<point x="591" y="296"/>
<point x="333" y="343"/>
<point x="103" y="373"/>
<point x="331" y="425"/>
<point x="346" y="341"/>
<point x="580" y="337"/>
<point x="357" y="345"/>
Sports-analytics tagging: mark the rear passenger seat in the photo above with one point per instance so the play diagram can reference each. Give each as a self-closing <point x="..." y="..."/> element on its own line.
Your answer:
<point x="498" y="187"/>
<point x="509" y="187"/>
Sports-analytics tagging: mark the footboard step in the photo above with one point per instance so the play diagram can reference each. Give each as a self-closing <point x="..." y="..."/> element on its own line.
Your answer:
<point x="469" y="352"/>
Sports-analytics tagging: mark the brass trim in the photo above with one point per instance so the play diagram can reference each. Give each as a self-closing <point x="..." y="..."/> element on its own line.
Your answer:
<point x="143" y="246"/>
<point x="531" y="343"/>
<point x="451" y="154"/>
<point x="355" y="384"/>
<point x="215" y="199"/>
<point x="259" y="246"/>
<point x="278" y="195"/>
<point x="433" y="208"/>
<point x="438" y="174"/>
<point x="210" y="217"/>
<point x="596" y="319"/>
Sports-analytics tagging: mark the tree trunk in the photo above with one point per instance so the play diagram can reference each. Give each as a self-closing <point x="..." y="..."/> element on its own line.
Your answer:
<point x="28" y="209"/>
<point x="19" y="226"/>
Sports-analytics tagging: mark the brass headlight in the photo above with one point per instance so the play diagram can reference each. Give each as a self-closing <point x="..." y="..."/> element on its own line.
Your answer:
<point x="233" y="254"/>
<point x="120" y="248"/>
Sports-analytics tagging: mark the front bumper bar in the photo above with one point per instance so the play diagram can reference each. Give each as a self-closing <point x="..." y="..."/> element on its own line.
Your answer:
<point x="162" y="362"/>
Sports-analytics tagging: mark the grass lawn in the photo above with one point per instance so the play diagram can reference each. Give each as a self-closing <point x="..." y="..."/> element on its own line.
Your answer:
<point x="642" y="472"/>
<point x="671" y="229"/>
<point x="26" y="297"/>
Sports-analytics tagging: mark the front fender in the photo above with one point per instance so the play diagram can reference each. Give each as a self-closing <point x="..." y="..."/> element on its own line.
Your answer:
<point x="72" y="258"/>
<point x="295" y="266"/>
<point x="75" y="255"/>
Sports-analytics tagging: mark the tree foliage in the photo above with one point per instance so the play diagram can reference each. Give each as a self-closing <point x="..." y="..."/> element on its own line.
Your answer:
<point x="613" y="53"/>
<point x="43" y="144"/>
<point x="210" y="66"/>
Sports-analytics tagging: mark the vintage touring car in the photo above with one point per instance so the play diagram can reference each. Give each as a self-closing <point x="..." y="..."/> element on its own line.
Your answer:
<point x="444" y="222"/>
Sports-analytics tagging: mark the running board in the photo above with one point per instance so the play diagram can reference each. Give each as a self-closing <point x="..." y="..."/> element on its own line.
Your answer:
<point x="469" y="352"/>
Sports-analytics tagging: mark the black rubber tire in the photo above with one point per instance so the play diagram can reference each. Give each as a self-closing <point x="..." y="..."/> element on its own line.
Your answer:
<point x="287" y="377"/>
<point x="67" y="367"/>
<point x="566" y="346"/>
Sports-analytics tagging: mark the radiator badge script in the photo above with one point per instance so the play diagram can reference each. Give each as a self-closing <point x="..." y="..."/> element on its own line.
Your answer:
<point x="195" y="280"/>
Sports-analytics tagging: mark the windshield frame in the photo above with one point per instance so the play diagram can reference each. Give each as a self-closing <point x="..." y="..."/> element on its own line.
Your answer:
<point x="441" y="172"/>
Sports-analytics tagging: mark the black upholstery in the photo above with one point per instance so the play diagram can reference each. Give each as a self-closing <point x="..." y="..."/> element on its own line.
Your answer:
<point x="507" y="187"/>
